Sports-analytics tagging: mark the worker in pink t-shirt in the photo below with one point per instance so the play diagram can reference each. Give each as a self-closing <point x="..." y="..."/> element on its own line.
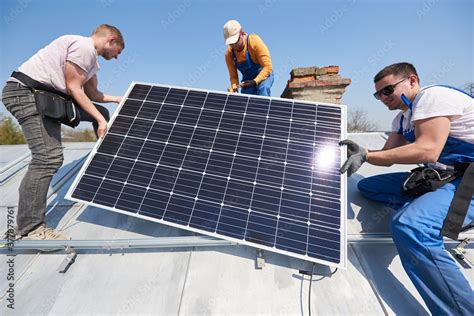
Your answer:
<point x="38" y="94"/>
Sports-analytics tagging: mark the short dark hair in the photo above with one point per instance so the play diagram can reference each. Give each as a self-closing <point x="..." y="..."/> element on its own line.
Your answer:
<point x="403" y="69"/>
<point x="106" y="29"/>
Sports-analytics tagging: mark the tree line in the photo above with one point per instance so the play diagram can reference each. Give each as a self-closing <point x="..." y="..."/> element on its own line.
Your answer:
<point x="11" y="134"/>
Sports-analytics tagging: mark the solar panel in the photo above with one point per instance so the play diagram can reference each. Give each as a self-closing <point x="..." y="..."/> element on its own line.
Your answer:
<point x="257" y="170"/>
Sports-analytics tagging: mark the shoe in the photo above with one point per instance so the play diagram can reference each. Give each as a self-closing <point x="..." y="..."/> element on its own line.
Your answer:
<point x="43" y="232"/>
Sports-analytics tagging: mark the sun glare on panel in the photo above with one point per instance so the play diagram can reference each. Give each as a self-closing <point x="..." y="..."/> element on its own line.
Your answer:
<point x="324" y="158"/>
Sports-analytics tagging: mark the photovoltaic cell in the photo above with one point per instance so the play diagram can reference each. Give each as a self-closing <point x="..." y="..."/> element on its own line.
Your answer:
<point x="261" y="171"/>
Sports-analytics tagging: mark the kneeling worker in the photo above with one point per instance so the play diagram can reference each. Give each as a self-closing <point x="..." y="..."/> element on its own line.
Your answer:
<point x="434" y="126"/>
<point x="250" y="55"/>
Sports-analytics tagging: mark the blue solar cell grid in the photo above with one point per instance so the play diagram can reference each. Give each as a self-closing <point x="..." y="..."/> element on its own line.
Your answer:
<point x="263" y="171"/>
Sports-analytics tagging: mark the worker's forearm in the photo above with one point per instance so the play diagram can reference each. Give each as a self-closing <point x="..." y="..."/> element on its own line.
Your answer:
<point x="104" y="98"/>
<point x="262" y="56"/>
<point x="263" y="74"/>
<point x="234" y="77"/>
<point x="266" y="69"/>
<point x="408" y="154"/>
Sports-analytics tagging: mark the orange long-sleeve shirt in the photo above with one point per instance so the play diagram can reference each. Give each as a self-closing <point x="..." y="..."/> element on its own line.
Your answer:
<point x="259" y="54"/>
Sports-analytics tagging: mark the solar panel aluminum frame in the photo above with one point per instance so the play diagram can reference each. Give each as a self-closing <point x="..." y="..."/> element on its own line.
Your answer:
<point x="343" y="183"/>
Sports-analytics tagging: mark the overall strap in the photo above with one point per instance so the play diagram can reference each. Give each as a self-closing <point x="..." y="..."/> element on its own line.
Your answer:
<point x="459" y="205"/>
<point x="247" y="55"/>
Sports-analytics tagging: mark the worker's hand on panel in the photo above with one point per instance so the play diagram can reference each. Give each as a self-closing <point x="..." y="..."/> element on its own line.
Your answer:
<point x="356" y="156"/>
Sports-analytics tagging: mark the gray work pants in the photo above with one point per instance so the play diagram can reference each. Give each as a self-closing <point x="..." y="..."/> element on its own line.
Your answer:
<point x="43" y="136"/>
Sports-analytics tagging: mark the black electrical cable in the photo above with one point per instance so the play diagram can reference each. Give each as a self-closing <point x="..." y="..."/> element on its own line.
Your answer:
<point x="309" y="293"/>
<point x="311" y="282"/>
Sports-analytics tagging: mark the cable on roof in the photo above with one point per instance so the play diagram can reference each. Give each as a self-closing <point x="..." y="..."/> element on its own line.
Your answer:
<point x="311" y="274"/>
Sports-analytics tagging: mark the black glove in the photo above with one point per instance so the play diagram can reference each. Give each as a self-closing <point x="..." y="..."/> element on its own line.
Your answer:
<point x="356" y="156"/>
<point x="248" y="84"/>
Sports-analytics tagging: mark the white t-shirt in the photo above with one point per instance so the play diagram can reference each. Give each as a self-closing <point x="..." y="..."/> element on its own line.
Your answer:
<point x="49" y="63"/>
<point x="433" y="101"/>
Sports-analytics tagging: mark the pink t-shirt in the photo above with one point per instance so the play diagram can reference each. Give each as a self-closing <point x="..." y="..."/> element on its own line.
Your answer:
<point x="49" y="63"/>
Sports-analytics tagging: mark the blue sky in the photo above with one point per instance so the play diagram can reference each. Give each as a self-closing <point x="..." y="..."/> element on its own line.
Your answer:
<point x="181" y="42"/>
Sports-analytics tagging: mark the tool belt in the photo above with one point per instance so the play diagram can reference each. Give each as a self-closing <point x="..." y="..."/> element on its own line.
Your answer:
<point x="424" y="179"/>
<point x="51" y="103"/>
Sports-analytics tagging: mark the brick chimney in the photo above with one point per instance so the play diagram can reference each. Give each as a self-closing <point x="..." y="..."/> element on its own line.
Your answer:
<point x="323" y="84"/>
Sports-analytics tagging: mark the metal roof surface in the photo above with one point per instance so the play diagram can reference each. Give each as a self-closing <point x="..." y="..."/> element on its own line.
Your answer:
<point x="190" y="280"/>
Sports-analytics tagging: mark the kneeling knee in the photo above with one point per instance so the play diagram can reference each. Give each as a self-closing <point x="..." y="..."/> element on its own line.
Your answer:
<point x="366" y="187"/>
<point x="362" y="185"/>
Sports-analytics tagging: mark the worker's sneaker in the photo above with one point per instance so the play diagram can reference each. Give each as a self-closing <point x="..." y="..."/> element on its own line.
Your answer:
<point x="43" y="232"/>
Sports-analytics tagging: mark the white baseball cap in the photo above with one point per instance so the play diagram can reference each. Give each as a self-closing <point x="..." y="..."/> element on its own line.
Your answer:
<point x="231" y="32"/>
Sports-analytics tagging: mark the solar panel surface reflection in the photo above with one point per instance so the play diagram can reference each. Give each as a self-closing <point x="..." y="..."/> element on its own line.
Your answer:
<point x="262" y="171"/>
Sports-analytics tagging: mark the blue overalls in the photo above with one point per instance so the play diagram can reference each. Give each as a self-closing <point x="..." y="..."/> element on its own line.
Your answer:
<point x="249" y="71"/>
<point x="416" y="231"/>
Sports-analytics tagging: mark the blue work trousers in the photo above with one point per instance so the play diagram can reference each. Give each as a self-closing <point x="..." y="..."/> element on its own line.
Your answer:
<point x="416" y="231"/>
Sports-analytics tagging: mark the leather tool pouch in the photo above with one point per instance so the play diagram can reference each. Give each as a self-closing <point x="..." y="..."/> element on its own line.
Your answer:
<point x="425" y="179"/>
<point x="56" y="107"/>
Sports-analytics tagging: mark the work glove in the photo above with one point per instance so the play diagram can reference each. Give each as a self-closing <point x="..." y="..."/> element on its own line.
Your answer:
<point x="356" y="156"/>
<point x="248" y="84"/>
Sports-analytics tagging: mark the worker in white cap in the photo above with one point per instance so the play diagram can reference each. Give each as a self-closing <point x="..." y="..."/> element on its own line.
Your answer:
<point x="250" y="55"/>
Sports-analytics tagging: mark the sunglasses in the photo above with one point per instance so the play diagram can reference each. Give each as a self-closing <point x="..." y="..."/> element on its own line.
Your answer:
<point x="388" y="90"/>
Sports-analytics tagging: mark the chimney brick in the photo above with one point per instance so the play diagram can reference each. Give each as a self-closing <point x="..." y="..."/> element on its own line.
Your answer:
<point x="323" y="84"/>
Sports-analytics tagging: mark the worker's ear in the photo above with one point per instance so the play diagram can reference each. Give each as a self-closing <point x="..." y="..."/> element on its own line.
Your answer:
<point x="413" y="80"/>
<point x="112" y="39"/>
